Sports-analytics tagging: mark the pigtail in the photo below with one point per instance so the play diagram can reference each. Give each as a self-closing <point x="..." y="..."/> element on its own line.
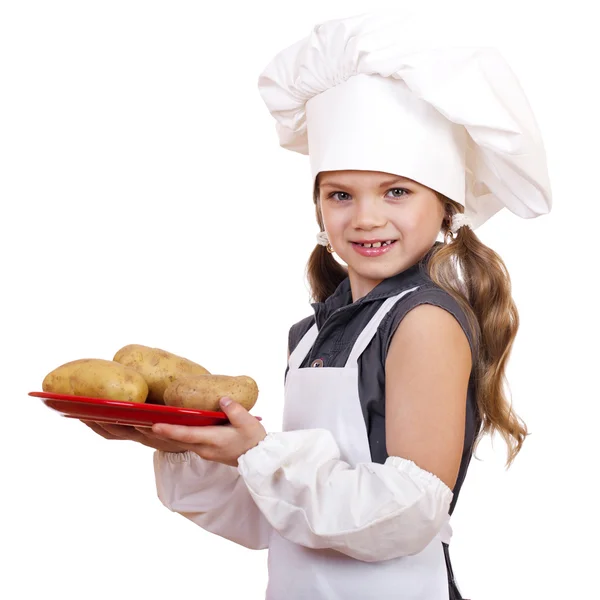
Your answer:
<point x="323" y="271"/>
<point x="478" y="279"/>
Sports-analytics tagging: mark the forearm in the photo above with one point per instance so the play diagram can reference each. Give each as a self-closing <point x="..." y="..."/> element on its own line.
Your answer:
<point x="372" y="512"/>
<point x="211" y="495"/>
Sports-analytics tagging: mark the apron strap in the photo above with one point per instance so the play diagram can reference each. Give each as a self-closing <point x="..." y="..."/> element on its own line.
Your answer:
<point x="363" y="340"/>
<point x="368" y="333"/>
<point x="303" y="347"/>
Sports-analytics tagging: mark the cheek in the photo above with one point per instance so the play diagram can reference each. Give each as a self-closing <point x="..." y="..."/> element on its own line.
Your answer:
<point x="334" y="220"/>
<point x="408" y="222"/>
<point x="417" y="221"/>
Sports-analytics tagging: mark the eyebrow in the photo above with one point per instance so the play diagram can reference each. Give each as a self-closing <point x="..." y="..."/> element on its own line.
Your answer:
<point x="333" y="184"/>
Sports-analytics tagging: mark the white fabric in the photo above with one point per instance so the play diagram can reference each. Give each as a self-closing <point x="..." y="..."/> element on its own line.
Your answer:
<point x="460" y="220"/>
<point x="371" y="512"/>
<point x="211" y="495"/>
<point x="390" y="129"/>
<point x="407" y="93"/>
<point x="322" y="238"/>
<point x="343" y="527"/>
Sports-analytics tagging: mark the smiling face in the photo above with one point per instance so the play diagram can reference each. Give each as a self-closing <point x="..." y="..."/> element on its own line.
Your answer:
<point x="373" y="207"/>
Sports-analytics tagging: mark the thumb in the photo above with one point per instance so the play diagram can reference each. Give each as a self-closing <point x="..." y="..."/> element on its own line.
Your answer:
<point x="235" y="412"/>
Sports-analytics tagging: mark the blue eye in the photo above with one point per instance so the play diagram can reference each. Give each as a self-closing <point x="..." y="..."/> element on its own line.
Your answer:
<point x="338" y="199"/>
<point x="404" y="192"/>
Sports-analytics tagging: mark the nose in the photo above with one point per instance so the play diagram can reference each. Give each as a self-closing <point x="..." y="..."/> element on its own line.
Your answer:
<point x="369" y="213"/>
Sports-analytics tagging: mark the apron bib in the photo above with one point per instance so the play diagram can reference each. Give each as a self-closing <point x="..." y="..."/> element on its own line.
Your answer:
<point x="328" y="398"/>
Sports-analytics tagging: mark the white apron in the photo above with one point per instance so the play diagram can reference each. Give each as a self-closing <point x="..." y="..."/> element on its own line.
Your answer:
<point x="328" y="398"/>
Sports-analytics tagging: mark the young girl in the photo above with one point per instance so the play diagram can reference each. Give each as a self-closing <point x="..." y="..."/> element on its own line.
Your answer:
<point x="399" y="371"/>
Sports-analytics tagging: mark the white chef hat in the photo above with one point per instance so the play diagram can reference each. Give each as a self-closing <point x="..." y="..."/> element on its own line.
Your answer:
<point x="394" y="92"/>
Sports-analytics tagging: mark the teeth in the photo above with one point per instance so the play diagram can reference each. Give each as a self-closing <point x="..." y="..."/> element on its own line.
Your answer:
<point x="377" y="244"/>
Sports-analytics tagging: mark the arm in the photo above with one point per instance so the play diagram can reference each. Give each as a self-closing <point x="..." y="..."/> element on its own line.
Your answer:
<point x="211" y="495"/>
<point x="427" y="375"/>
<point x="376" y="512"/>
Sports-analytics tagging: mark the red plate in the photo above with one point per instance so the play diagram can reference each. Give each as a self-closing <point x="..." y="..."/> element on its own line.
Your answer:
<point x="128" y="413"/>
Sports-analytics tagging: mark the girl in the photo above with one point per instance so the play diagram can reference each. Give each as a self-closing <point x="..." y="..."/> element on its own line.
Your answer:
<point x="399" y="371"/>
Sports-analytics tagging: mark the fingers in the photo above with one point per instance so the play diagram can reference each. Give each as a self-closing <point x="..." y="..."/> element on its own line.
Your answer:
<point x="159" y="443"/>
<point x="146" y="431"/>
<point x="238" y="416"/>
<point x="124" y="432"/>
<point x="110" y="431"/>
<point x="100" y="430"/>
<point x="141" y="435"/>
<point x="186" y="434"/>
<point x="146" y="435"/>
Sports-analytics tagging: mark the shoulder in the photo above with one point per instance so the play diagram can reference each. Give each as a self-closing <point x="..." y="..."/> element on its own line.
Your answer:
<point x="430" y="335"/>
<point x="297" y="331"/>
<point x="447" y="315"/>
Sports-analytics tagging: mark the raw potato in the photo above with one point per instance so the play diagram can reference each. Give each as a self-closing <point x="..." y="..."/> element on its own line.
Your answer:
<point x="203" y="392"/>
<point x="57" y="382"/>
<point x="97" y="378"/>
<point x="158" y="367"/>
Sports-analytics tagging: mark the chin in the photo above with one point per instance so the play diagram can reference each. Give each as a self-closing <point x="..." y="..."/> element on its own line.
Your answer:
<point x="377" y="272"/>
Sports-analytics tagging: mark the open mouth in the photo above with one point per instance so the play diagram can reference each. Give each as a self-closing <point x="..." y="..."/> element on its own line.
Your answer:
<point x="376" y="244"/>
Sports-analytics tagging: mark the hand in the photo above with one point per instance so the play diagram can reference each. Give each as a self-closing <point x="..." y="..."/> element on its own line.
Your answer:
<point x="219" y="443"/>
<point x="141" y="435"/>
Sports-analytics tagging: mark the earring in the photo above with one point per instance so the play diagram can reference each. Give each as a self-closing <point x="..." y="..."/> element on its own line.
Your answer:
<point x="330" y="249"/>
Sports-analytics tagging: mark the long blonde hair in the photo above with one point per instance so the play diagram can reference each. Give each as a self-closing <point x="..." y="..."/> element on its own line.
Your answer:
<point x="484" y="293"/>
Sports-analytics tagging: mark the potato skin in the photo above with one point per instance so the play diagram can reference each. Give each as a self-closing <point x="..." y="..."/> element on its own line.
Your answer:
<point x="203" y="392"/>
<point x="158" y="367"/>
<point x="97" y="378"/>
<point x="57" y="381"/>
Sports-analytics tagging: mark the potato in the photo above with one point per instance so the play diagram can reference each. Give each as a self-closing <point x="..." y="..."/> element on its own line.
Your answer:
<point x="203" y="392"/>
<point x="158" y="367"/>
<point x="57" y="382"/>
<point x="97" y="378"/>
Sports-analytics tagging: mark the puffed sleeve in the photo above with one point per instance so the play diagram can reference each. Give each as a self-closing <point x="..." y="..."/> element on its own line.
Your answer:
<point x="372" y="512"/>
<point x="211" y="495"/>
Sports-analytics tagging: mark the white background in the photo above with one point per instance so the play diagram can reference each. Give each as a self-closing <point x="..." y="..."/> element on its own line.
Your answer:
<point x="145" y="200"/>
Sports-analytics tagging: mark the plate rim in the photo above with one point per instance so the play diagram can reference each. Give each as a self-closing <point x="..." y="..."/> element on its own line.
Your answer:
<point x="124" y="404"/>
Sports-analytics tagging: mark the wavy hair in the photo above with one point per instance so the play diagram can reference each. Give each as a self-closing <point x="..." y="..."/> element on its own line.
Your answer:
<point x="483" y="292"/>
